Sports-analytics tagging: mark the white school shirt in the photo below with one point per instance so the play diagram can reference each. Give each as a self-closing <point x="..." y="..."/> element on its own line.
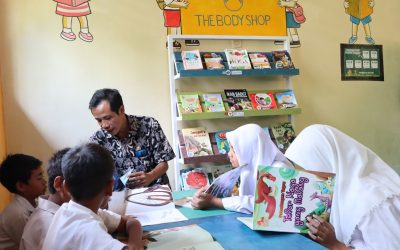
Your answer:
<point x="12" y="222"/>
<point x="77" y="227"/>
<point x="39" y="222"/>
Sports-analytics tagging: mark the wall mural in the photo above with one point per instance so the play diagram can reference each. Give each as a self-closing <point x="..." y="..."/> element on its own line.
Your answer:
<point x="294" y="18"/>
<point x="68" y="9"/>
<point x="360" y="12"/>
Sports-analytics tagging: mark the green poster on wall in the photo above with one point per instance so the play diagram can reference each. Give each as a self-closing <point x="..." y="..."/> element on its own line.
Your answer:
<point x="361" y="62"/>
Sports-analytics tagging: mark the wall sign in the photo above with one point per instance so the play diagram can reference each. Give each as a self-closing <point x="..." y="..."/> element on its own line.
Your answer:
<point x="361" y="62"/>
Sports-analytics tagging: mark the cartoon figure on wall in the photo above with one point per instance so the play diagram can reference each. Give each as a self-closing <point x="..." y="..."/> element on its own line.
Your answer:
<point x="294" y="18"/>
<point x="360" y="11"/>
<point x="74" y="8"/>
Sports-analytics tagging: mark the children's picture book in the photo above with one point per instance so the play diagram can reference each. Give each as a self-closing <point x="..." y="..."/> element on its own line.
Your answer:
<point x="191" y="59"/>
<point x="194" y="178"/>
<point x="180" y="238"/>
<point x="285" y="197"/>
<point x="190" y="103"/>
<point x="259" y="60"/>
<point x="213" y="103"/>
<point x="213" y="61"/>
<point x="238" y="99"/>
<point x="282" y="59"/>
<point x="283" y="135"/>
<point x="286" y="99"/>
<point x="197" y="141"/>
<point x="263" y="101"/>
<point x="222" y="142"/>
<point x="218" y="170"/>
<point x="237" y="59"/>
<point x="224" y="185"/>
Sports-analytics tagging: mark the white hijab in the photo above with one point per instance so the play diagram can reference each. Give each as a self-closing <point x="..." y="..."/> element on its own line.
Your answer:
<point x="253" y="146"/>
<point x="363" y="180"/>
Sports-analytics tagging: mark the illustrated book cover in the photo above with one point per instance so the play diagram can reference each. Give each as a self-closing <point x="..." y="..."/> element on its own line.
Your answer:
<point x="194" y="178"/>
<point x="191" y="60"/>
<point x="263" y="101"/>
<point x="238" y="99"/>
<point x="285" y="197"/>
<point x="197" y="141"/>
<point x="213" y="61"/>
<point x="226" y="184"/>
<point x="282" y="59"/>
<point x="283" y="135"/>
<point x="222" y="142"/>
<point x="180" y="238"/>
<point x="259" y="60"/>
<point x="213" y="103"/>
<point x="286" y="99"/>
<point x="237" y="59"/>
<point x="190" y="103"/>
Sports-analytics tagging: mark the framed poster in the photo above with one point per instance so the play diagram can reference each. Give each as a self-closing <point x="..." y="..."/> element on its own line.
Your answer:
<point x="361" y="62"/>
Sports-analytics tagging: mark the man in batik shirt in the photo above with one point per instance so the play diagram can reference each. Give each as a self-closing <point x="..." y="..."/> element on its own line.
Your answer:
<point x="137" y="143"/>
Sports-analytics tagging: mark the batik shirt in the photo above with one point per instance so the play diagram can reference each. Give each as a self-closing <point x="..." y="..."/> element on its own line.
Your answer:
<point x="142" y="150"/>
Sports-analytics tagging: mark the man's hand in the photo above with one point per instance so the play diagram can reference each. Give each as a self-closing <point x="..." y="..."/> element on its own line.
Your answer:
<point x="140" y="179"/>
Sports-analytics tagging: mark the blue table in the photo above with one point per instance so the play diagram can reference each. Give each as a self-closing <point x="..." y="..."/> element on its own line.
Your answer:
<point x="233" y="234"/>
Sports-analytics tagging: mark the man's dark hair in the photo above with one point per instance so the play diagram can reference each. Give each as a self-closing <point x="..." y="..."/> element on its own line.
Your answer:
<point x="54" y="168"/>
<point x="87" y="169"/>
<point x="17" y="168"/>
<point x="111" y="95"/>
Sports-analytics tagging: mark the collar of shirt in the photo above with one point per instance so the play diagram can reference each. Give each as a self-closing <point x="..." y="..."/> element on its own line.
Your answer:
<point x="21" y="201"/>
<point x="47" y="205"/>
<point x="133" y="126"/>
<point x="79" y="209"/>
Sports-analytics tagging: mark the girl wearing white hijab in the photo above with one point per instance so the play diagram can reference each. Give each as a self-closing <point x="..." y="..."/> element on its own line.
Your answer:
<point x="250" y="146"/>
<point x="365" y="212"/>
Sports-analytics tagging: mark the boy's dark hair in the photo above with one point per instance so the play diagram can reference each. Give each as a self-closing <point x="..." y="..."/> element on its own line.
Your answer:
<point x="87" y="169"/>
<point x="110" y="95"/>
<point x="17" y="167"/>
<point x="54" y="168"/>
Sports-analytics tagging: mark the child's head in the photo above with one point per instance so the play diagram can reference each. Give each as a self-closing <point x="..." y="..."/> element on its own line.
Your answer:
<point x="88" y="171"/>
<point x="55" y="175"/>
<point x="22" y="174"/>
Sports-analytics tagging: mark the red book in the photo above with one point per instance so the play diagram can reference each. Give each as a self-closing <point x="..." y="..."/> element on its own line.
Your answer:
<point x="262" y="101"/>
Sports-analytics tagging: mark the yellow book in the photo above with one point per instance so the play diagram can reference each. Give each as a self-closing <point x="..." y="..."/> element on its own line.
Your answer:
<point x="359" y="8"/>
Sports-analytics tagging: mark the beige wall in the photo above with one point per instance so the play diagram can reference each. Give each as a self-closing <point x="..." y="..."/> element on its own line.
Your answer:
<point x="5" y="196"/>
<point x="48" y="81"/>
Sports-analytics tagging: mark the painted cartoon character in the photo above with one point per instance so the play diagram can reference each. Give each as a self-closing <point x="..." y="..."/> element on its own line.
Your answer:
<point x="79" y="9"/>
<point x="360" y="11"/>
<point x="294" y="18"/>
<point x="266" y="194"/>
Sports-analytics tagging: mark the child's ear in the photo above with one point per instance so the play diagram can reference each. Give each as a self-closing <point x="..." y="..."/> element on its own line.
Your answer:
<point x="109" y="187"/>
<point x="21" y="187"/>
<point x="59" y="186"/>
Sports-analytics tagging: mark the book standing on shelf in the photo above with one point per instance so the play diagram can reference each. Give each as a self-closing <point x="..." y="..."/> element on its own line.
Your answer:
<point x="282" y="59"/>
<point x="283" y="135"/>
<point x="191" y="60"/>
<point x="213" y="61"/>
<point x="238" y="99"/>
<point x="190" y="103"/>
<point x="259" y="60"/>
<point x="197" y="141"/>
<point x="222" y="142"/>
<point x="285" y="197"/>
<point x="286" y="99"/>
<point x="237" y="59"/>
<point x="194" y="178"/>
<point x="213" y="103"/>
<point x="263" y="101"/>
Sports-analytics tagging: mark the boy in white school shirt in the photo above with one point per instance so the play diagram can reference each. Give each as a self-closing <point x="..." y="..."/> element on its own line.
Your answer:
<point x="88" y="177"/>
<point x="22" y="175"/>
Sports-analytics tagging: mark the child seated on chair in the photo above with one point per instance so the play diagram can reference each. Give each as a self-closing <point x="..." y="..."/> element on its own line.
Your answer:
<point x="22" y="175"/>
<point x="88" y="177"/>
<point x="250" y="145"/>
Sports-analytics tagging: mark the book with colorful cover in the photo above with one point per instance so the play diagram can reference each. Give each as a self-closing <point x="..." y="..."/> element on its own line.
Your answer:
<point x="213" y="103"/>
<point x="191" y="60"/>
<point x="190" y="103"/>
<point x="222" y="142"/>
<point x="213" y="61"/>
<point x="285" y="197"/>
<point x="218" y="170"/>
<point x="282" y="59"/>
<point x="238" y="99"/>
<point x="197" y="141"/>
<point x="237" y="59"/>
<point x="283" y="135"/>
<point x="259" y="60"/>
<point x="263" y="101"/>
<point x="195" y="178"/>
<point x="180" y="238"/>
<point x="286" y="99"/>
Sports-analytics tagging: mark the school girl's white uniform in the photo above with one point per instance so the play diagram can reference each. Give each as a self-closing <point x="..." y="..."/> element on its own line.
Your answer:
<point x="365" y="208"/>
<point x="253" y="147"/>
<point x="77" y="227"/>
<point x="12" y="222"/>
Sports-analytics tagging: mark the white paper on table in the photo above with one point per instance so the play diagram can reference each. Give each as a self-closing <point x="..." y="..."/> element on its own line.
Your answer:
<point x="159" y="217"/>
